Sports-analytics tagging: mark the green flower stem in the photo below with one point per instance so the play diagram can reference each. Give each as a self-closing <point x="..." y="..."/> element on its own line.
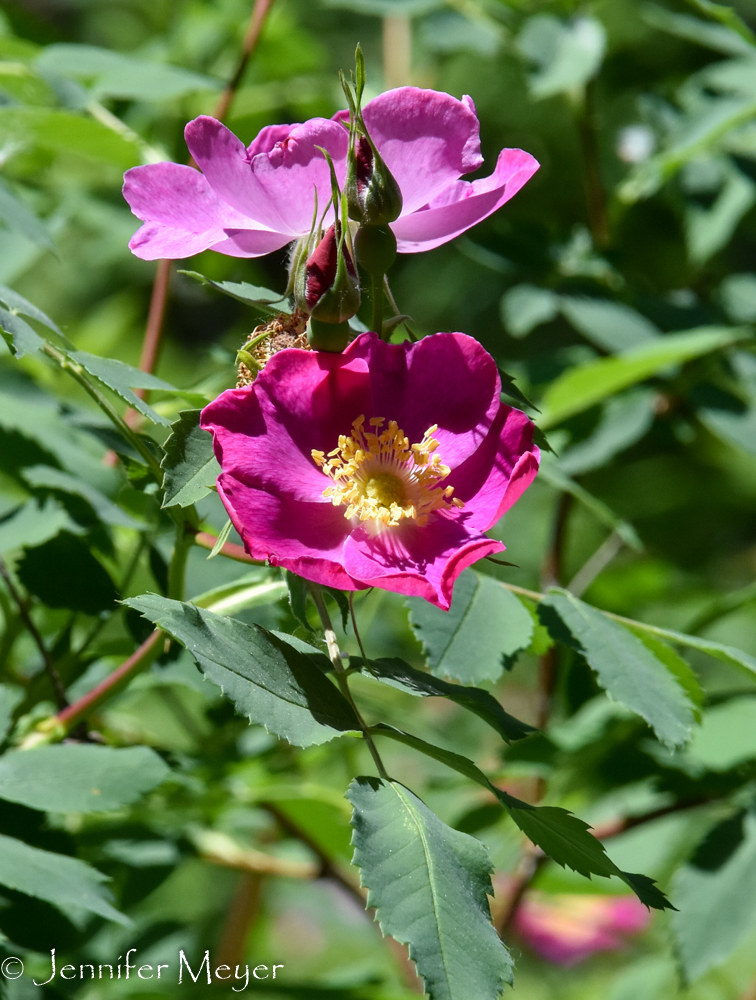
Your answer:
<point x="341" y="677"/>
<point x="58" y="726"/>
<point x="377" y="289"/>
<point x="77" y="372"/>
<point x="177" y="566"/>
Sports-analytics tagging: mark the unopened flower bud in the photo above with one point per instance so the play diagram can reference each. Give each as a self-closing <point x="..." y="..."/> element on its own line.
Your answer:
<point x="373" y="195"/>
<point x="326" y="285"/>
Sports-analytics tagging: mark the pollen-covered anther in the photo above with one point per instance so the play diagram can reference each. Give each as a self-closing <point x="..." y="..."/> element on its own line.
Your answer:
<point x="384" y="479"/>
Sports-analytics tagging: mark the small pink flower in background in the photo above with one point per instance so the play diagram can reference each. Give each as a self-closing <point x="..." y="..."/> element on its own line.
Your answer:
<point x="382" y="466"/>
<point x="249" y="201"/>
<point x="566" y="929"/>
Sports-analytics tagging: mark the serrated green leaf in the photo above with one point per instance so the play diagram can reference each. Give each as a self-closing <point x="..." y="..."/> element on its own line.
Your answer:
<point x="251" y="295"/>
<point x="482" y="632"/>
<point x="267" y="679"/>
<point x="18" y="304"/>
<point x="510" y="389"/>
<point x="719" y="651"/>
<point x="18" y="335"/>
<point x="626" y="669"/>
<point x="121" y="378"/>
<point x="190" y="467"/>
<point x="34" y="524"/>
<point x="401" y="675"/>
<point x="63" y="881"/>
<point x="582" y="387"/>
<point x="65" y="131"/>
<point x="562" y="836"/>
<point x="79" y="777"/>
<point x="717" y="907"/>
<point x="429" y="885"/>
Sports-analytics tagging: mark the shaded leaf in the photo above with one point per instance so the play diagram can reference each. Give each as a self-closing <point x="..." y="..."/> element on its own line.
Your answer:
<point x="79" y="777"/>
<point x="626" y="668"/>
<point x="525" y="307"/>
<point x="568" y="54"/>
<point x="717" y="907"/>
<point x="268" y="680"/>
<point x="65" y="882"/>
<point x="63" y="573"/>
<point x="18" y="304"/>
<point x="65" y="131"/>
<point x="481" y="633"/>
<point x="18" y="335"/>
<point x="111" y="74"/>
<point x="11" y="697"/>
<point x="625" y="420"/>
<point x="579" y="388"/>
<point x="402" y="676"/>
<point x="430" y="886"/>
<point x="298" y="594"/>
<point x="612" y="326"/>
<point x="189" y="464"/>
<point x="20" y="219"/>
<point x="108" y="512"/>
<point x="33" y="524"/>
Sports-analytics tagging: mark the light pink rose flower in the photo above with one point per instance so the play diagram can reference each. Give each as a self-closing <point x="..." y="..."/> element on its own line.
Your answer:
<point x="379" y="467"/>
<point x="566" y="929"/>
<point x="249" y="201"/>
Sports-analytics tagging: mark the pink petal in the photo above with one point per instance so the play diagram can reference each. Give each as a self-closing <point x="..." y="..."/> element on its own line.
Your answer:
<point x="224" y="162"/>
<point x="250" y="242"/>
<point x="183" y="214"/>
<point x="306" y="538"/>
<point x="294" y="169"/>
<point x="420" y="561"/>
<point x="498" y="473"/>
<point x="428" y="139"/>
<point x="463" y="204"/>
<point x="267" y="137"/>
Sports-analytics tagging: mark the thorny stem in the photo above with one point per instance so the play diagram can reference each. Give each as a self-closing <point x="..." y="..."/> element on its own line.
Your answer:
<point x="56" y="727"/>
<point x="52" y="670"/>
<point x="335" y="657"/>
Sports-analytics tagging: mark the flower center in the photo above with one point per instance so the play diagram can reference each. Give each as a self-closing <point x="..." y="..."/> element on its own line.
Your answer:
<point x="382" y="478"/>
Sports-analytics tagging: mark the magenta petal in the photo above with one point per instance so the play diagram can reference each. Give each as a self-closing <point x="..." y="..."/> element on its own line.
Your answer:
<point x="420" y="561"/>
<point x="447" y="379"/>
<point x="463" y="204"/>
<point x="499" y="472"/>
<point x="257" y="445"/>
<point x="306" y="538"/>
<point x="428" y="139"/>
<point x="224" y="161"/>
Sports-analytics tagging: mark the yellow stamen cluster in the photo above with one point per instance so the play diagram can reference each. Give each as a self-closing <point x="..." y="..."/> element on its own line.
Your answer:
<point x="382" y="478"/>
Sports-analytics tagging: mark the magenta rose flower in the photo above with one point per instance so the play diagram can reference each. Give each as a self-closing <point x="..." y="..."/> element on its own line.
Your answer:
<point x="250" y="201"/>
<point x="379" y="467"/>
<point x="566" y="929"/>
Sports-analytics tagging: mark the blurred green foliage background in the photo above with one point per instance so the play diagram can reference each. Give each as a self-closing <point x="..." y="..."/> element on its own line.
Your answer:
<point x="639" y="225"/>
